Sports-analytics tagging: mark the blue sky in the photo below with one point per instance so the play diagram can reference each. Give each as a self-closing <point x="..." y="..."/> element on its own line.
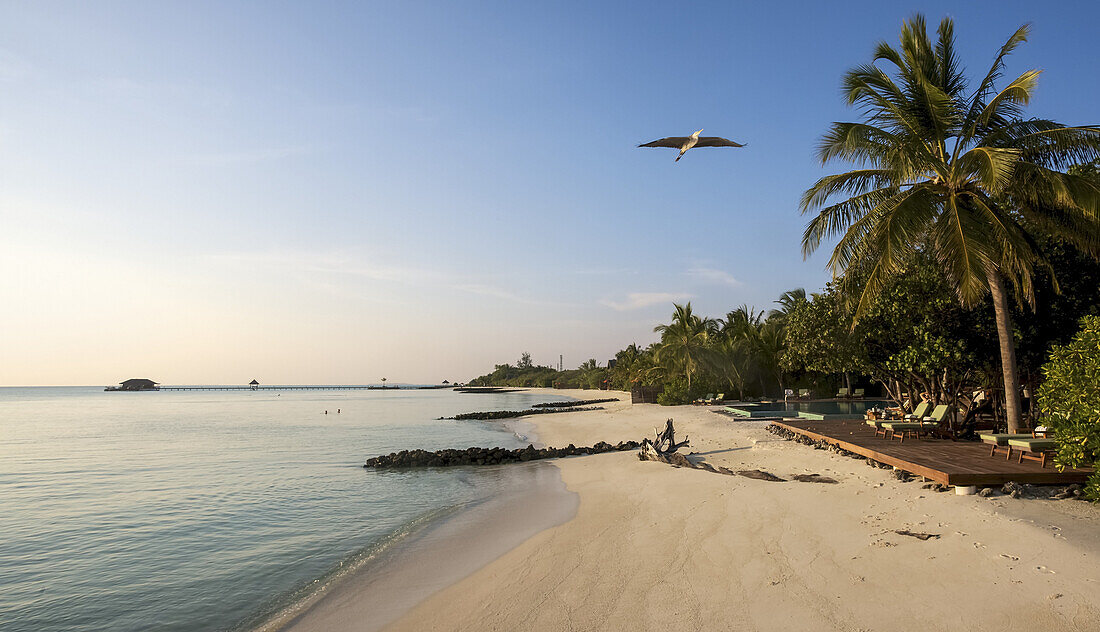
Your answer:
<point x="336" y="192"/>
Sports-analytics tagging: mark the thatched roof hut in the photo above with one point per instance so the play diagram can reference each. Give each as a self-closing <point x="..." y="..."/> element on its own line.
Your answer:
<point x="138" y="384"/>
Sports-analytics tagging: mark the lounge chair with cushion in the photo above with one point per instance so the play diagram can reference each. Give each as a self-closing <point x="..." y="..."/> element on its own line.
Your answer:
<point x="842" y="393"/>
<point x="703" y="400"/>
<point x="857" y="393"/>
<point x="919" y="412"/>
<point x="999" y="441"/>
<point x="902" y="429"/>
<point x="877" y="424"/>
<point x="720" y="397"/>
<point x="1033" y="449"/>
<point x="803" y="393"/>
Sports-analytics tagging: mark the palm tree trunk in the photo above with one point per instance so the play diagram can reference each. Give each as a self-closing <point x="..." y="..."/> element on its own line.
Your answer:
<point x="1008" y="353"/>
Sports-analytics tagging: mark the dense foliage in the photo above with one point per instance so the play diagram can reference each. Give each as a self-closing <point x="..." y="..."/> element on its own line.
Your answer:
<point x="954" y="171"/>
<point x="1070" y="397"/>
<point x="738" y="355"/>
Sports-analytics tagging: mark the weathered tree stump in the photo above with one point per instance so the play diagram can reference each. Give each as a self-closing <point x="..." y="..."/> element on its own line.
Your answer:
<point x="663" y="447"/>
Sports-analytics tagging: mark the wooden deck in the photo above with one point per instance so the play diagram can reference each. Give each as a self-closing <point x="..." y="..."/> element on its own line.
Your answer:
<point x="941" y="460"/>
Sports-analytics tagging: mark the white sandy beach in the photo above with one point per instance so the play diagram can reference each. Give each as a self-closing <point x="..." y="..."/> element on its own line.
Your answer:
<point x="656" y="547"/>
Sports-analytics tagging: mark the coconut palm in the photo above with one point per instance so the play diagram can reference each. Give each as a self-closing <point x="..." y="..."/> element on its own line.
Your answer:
<point x="956" y="172"/>
<point x="787" y="301"/>
<point x="684" y="342"/>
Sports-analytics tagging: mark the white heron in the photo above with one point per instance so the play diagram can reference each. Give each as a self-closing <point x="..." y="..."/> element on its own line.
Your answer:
<point x="684" y="143"/>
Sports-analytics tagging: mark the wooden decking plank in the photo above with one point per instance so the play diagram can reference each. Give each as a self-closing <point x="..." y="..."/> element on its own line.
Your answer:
<point x="940" y="460"/>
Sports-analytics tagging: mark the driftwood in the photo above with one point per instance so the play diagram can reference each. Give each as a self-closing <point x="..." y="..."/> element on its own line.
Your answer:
<point x="919" y="536"/>
<point x="662" y="446"/>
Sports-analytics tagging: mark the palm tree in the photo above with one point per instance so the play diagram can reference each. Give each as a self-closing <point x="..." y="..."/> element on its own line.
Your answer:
<point x="787" y="301"/>
<point x="684" y="341"/>
<point x="730" y="362"/>
<point x="960" y="174"/>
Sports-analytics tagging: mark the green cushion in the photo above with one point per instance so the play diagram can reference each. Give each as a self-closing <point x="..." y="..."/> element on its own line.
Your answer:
<point x="1033" y="444"/>
<point x="1002" y="439"/>
<point x="901" y="425"/>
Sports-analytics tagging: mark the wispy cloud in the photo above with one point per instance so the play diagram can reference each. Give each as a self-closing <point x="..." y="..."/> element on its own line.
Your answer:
<point x="638" y="300"/>
<point x="335" y="266"/>
<point x="713" y="276"/>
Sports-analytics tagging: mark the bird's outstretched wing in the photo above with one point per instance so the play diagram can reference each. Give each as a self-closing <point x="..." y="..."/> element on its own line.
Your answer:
<point x="671" y="141"/>
<point x="715" y="141"/>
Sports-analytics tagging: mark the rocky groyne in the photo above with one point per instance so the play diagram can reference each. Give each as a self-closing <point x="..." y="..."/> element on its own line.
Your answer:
<point x="583" y="402"/>
<point x="509" y="414"/>
<point x="488" y="456"/>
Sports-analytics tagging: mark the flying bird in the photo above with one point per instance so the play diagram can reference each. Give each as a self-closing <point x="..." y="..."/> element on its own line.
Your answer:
<point x="684" y="143"/>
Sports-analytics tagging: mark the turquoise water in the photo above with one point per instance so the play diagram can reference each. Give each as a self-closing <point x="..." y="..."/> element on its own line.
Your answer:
<point x="212" y="510"/>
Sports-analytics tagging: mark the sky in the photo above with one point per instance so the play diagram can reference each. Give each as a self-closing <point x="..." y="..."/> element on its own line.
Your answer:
<point x="336" y="192"/>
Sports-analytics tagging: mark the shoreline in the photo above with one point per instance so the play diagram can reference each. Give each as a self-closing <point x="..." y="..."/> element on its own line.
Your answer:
<point x="390" y="583"/>
<point x="657" y="547"/>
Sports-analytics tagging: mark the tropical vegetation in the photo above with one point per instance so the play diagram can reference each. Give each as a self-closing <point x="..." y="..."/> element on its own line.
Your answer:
<point x="1071" y="395"/>
<point x="956" y="173"/>
<point x="967" y="252"/>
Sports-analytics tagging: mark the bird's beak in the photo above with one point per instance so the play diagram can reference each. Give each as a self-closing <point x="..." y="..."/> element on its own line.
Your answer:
<point x="699" y="132"/>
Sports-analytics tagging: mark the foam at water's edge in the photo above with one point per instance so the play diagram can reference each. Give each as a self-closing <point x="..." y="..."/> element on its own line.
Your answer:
<point x="442" y="552"/>
<point x="274" y="616"/>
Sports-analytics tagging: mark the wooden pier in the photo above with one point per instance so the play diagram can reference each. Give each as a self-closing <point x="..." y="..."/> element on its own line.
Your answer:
<point x="941" y="460"/>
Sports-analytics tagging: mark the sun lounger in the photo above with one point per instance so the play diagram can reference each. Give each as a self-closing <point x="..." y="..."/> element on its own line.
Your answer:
<point x="842" y="393"/>
<point x="914" y="428"/>
<point x="902" y="429"/>
<point x="1033" y="449"/>
<point x="704" y="400"/>
<point x="920" y="411"/>
<point x="999" y="441"/>
<point x="720" y="397"/>
<point x="803" y="393"/>
<point x="877" y="424"/>
<point x="858" y="393"/>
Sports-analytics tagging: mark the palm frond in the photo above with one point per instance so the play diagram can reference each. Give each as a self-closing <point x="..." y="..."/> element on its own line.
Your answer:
<point x="963" y="246"/>
<point x="853" y="183"/>
<point x="992" y="167"/>
<point x="1005" y="106"/>
<point x="978" y="99"/>
<point x="835" y="219"/>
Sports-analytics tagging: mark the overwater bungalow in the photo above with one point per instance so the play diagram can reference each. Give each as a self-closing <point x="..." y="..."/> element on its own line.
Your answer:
<point x="135" y="384"/>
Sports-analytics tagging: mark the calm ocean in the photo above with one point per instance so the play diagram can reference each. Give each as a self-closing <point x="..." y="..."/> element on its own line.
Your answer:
<point x="212" y="510"/>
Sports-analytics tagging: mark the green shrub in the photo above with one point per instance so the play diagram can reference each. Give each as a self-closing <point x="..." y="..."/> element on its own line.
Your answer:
<point x="676" y="392"/>
<point x="1070" y="397"/>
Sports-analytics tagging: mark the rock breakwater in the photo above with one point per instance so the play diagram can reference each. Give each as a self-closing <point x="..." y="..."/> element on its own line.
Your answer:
<point x="488" y="456"/>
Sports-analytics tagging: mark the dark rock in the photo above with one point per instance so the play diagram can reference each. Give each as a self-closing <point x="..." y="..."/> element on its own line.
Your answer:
<point x="813" y="478"/>
<point x="583" y="402"/>
<point x="508" y="414"/>
<point x="486" y="456"/>
<point x="760" y="475"/>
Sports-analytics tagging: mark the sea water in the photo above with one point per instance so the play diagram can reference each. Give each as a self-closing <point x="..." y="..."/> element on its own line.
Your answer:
<point x="214" y="510"/>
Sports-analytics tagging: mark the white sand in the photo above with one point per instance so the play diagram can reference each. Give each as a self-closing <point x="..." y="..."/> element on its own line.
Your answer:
<point x="655" y="547"/>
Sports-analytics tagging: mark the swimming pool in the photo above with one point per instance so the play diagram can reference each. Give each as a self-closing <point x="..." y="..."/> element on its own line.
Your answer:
<point x="808" y="410"/>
